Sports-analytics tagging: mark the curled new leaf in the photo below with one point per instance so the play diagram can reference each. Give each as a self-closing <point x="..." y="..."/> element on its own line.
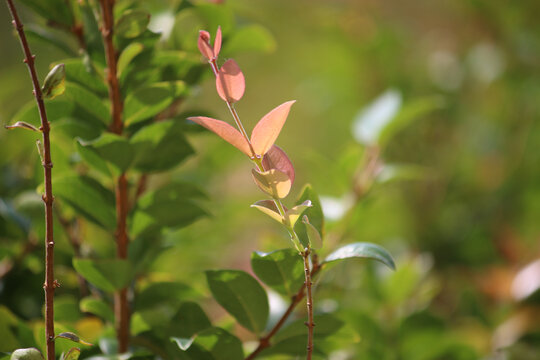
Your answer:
<point x="54" y="83"/>
<point x="225" y="131"/>
<point x="22" y="125"/>
<point x="209" y="52"/>
<point x="27" y="354"/>
<point x="293" y="214"/>
<point x="273" y="182"/>
<point x="73" y="337"/>
<point x="276" y="158"/>
<point x="230" y="82"/>
<point x="269" y="208"/>
<point x="72" y="354"/>
<point x="268" y="128"/>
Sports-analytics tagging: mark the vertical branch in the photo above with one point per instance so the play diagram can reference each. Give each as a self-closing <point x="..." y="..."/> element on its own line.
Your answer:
<point x="50" y="284"/>
<point x="121" y="305"/>
<point x="309" y="302"/>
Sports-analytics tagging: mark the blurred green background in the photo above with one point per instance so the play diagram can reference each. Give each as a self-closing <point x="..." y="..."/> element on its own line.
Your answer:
<point x="461" y="227"/>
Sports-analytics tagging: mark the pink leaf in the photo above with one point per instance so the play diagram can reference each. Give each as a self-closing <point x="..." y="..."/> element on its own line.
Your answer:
<point x="204" y="45"/>
<point x="230" y="82"/>
<point x="217" y="42"/>
<point x="267" y="129"/>
<point x="276" y="158"/>
<point x="225" y="131"/>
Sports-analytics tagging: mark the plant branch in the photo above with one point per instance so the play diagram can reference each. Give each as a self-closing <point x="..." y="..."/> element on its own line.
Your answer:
<point x="50" y="283"/>
<point x="121" y="305"/>
<point x="264" y="342"/>
<point x="309" y="302"/>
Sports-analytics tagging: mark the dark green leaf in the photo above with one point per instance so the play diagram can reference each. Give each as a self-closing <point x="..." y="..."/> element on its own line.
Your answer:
<point x="362" y="250"/>
<point x="189" y="320"/>
<point x="88" y="101"/>
<point x="92" y="34"/>
<point x="44" y="36"/>
<point x="87" y="197"/>
<point x="314" y="213"/>
<point x="148" y="101"/>
<point x="160" y="146"/>
<point x="157" y="294"/>
<point x="241" y="295"/>
<point x="97" y="307"/>
<point x="282" y="270"/>
<point x="73" y="337"/>
<point x="251" y="38"/>
<point x="132" y="23"/>
<point x="27" y="354"/>
<point x="85" y="76"/>
<point x="212" y="344"/>
<point x="106" y="274"/>
<point x="72" y="354"/>
<point x="111" y="149"/>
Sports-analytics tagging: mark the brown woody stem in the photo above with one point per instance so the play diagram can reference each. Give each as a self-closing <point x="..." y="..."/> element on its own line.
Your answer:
<point x="121" y="304"/>
<point x="50" y="284"/>
<point x="309" y="301"/>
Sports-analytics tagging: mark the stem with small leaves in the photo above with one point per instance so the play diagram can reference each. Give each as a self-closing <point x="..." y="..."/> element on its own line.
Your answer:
<point x="50" y="283"/>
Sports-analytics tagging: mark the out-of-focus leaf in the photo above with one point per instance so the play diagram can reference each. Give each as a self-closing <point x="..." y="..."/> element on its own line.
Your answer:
<point x="88" y="101"/>
<point x="110" y="148"/>
<point x="56" y="109"/>
<point x="46" y="36"/>
<point x="92" y="34"/>
<point x="27" y="354"/>
<point x="72" y="354"/>
<point x="273" y="182"/>
<point x="132" y="23"/>
<point x="55" y="10"/>
<point x="251" y="38"/>
<point x="160" y="293"/>
<point x="88" y="197"/>
<point x="282" y="270"/>
<point x="224" y="131"/>
<point x="326" y="325"/>
<point x="314" y="237"/>
<point x="230" y="82"/>
<point x="371" y="120"/>
<point x="212" y="344"/>
<point x="242" y="296"/>
<point x="148" y="101"/>
<point x="97" y="307"/>
<point x="77" y="72"/>
<point x="73" y="337"/>
<point x="127" y="55"/>
<point x="170" y="206"/>
<point x="216" y="15"/>
<point x="22" y="125"/>
<point x="54" y="83"/>
<point x="268" y="128"/>
<point x="160" y="146"/>
<point x="362" y="250"/>
<point x="105" y="274"/>
<point x="189" y="320"/>
<point x="276" y="158"/>
<point x="314" y="213"/>
<point x="400" y="172"/>
<point x="269" y="208"/>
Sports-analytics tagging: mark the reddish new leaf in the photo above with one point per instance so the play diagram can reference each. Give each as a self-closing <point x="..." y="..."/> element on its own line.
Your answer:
<point x="276" y="158"/>
<point x="217" y="42"/>
<point x="267" y="129"/>
<point x="230" y="82"/>
<point x="204" y="45"/>
<point x="225" y="131"/>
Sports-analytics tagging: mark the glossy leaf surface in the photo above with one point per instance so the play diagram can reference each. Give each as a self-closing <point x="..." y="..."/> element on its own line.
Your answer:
<point x="362" y="250"/>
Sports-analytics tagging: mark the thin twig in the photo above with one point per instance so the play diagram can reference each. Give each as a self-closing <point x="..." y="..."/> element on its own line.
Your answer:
<point x="121" y="305"/>
<point x="264" y="342"/>
<point x="309" y="302"/>
<point x="50" y="283"/>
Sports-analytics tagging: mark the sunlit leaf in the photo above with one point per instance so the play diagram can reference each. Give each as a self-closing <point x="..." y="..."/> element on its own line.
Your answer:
<point x="362" y="250"/>
<point x="269" y="208"/>
<point x="132" y="23"/>
<point x="225" y="131"/>
<point x="27" y="354"/>
<point x="54" y="83"/>
<point x="294" y="213"/>
<point x="276" y="158"/>
<point x="242" y="296"/>
<point x="105" y="274"/>
<point x="273" y="182"/>
<point x="127" y="55"/>
<point x="268" y="128"/>
<point x="230" y="82"/>
<point x="282" y="270"/>
<point x="72" y="354"/>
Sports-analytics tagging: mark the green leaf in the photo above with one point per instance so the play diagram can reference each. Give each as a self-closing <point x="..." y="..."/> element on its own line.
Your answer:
<point x="97" y="307"/>
<point x="402" y="172"/>
<point x="251" y="38"/>
<point x="326" y="325"/>
<point x="160" y="293"/>
<point x="127" y="55"/>
<point x="132" y="23"/>
<point x="160" y="146"/>
<point x="56" y="109"/>
<point x="189" y="320"/>
<point x="314" y="237"/>
<point x="111" y="149"/>
<point x="170" y="206"/>
<point x="362" y="250"/>
<point x="282" y="270"/>
<point x="89" y="198"/>
<point x="39" y="34"/>
<point x="105" y="274"/>
<point x="27" y="354"/>
<point x="89" y="101"/>
<point x="54" y="83"/>
<point x="55" y="10"/>
<point x="150" y="100"/>
<point x="86" y="76"/>
<point x="314" y="213"/>
<point x="242" y="296"/>
<point x="211" y="344"/>
<point x="72" y="354"/>
<point x="73" y="337"/>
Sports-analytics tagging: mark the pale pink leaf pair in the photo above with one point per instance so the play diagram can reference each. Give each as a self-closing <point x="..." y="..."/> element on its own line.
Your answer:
<point x="209" y="52"/>
<point x="268" y="128"/>
<point x="225" y="131"/>
<point x="230" y="82"/>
